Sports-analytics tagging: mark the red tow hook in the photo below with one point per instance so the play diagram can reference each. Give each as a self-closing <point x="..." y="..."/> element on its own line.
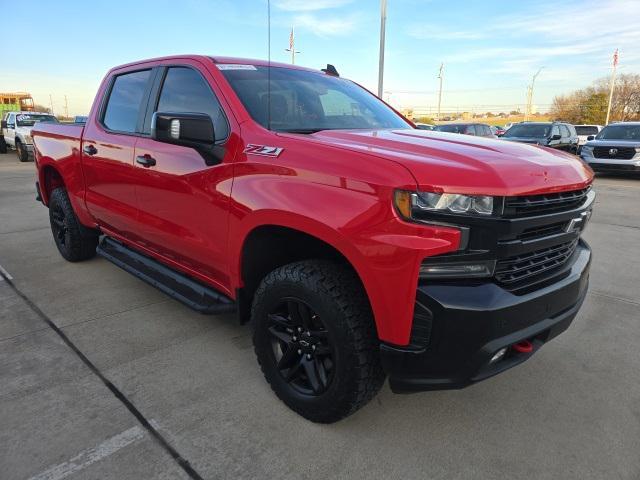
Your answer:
<point x="525" y="346"/>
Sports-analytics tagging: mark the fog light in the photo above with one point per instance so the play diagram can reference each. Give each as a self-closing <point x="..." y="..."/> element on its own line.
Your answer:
<point x="482" y="268"/>
<point x="499" y="354"/>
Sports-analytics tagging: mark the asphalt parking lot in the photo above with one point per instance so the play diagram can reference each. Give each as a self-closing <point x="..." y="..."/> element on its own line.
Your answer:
<point x="571" y="412"/>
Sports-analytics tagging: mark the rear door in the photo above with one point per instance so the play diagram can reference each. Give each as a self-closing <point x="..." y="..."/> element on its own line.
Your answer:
<point x="183" y="202"/>
<point x="107" y="150"/>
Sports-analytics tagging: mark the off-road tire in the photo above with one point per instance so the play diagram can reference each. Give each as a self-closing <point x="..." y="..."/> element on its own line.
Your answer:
<point x="3" y="145"/>
<point x="75" y="242"/>
<point x="335" y="293"/>
<point x="22" y="152"/>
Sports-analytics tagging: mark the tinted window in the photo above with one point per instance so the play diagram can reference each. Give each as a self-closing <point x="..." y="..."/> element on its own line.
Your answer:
<point x="305" y="101"/>
<point x="451" y="128"/>
<point x="587" y="130"/>
<point x="185" y="91"/>
<point x="125" y="101"/>
<point x="485" y="130"/>
<point x="471" y="130"/>
<point x="620" y="132"/>
<point x="529" y="130"/>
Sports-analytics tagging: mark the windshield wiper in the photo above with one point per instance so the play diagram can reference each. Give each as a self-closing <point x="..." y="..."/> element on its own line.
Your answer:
<point x="300" y="130"/>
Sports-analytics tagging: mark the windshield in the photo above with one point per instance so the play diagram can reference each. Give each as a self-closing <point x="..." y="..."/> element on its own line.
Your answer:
<point x="620" y="132"/>
<point x="306" y="102"/>
<point x="586" y="130"/>
<point x="29" y="120"/>
<point x="452" y="128"/>
<point x="529" y="131"/>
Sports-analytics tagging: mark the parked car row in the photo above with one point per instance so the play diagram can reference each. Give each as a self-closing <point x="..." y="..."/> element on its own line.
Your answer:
<point x="615" y="147"/>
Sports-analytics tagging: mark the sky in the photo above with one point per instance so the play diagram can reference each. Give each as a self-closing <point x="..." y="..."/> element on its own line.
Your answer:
<point x="490" y="49"/>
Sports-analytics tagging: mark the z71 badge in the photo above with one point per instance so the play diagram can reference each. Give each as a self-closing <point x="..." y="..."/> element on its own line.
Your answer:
<point x="264" y="150"/>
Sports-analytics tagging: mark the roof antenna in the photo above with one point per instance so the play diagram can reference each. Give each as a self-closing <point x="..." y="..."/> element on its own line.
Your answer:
<point x="269" y="65"/>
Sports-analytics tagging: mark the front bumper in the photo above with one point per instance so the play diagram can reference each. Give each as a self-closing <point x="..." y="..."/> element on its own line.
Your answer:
<point x="469" y="323"/>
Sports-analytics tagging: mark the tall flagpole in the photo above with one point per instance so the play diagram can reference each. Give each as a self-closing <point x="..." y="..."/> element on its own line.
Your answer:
<point x="613" y="81"/>
<point x="383" y="22"/>
<point x="292" y="46"/>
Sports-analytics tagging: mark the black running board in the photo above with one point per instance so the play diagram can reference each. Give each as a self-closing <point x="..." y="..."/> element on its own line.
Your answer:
<point x="192" y="293"/>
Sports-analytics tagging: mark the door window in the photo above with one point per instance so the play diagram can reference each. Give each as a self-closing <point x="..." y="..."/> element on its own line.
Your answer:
<point x="11" y="121"/>
<point x="470" y="130"/>
<point x="185" y="91"/>
<point x="123" y="107"/>
<point x="555" y="130"/>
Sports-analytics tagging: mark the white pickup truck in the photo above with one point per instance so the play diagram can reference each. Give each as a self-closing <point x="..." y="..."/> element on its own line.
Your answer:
<point x="16" y="131"/>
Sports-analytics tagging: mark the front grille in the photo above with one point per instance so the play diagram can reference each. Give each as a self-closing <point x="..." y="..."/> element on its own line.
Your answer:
<point x="619" y="153"/>
<point x="522" y="267"/>
<point x="534" y="233"/>
<point x="528" y="205"/>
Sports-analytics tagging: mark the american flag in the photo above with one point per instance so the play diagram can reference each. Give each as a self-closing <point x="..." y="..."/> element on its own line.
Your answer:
<point x="615" y="58"/>
<point x="292" y="40"/>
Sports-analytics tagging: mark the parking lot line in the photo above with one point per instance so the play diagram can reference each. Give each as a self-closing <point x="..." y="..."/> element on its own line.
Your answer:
<point x="4" y="274"/>
<point x="91" y="455"/>
<point x="149" y="426"/>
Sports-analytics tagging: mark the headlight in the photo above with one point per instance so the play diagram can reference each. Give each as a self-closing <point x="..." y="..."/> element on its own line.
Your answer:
<point x="408" y="203"/>
<point x="28" y="140"/>
<point x="587" y="150"/>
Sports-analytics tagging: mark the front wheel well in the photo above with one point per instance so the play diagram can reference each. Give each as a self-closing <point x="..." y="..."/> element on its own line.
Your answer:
<point x="269" y="247"/>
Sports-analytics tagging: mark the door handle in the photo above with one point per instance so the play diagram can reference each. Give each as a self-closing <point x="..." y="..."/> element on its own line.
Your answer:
<point x="146" y="160"/>
<point x="90" y="150"/>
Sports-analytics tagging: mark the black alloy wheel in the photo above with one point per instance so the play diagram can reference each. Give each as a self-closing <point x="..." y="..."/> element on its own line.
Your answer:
<point x="59" y="226"/>
<point x="301" y="349"/>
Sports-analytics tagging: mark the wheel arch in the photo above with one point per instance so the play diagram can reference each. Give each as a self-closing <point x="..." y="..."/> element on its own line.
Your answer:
<point x="270" y="245"/>
<point x="50" y="179"/>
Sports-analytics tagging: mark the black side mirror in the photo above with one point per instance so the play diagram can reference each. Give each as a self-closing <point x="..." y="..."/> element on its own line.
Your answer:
<point x="193" y="130"/>
<point x="3" y="124"/>
<point x="556" y="137"/>
<point x="591" y="137"/>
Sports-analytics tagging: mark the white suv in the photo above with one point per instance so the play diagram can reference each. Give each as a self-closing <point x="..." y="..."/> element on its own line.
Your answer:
<point x="585" y="131"/>
<point x="16" y="131"/>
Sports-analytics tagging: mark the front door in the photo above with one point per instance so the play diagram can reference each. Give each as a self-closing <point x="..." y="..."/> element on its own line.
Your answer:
<point x="10" y="131"/>
<point x="183" y="203"/>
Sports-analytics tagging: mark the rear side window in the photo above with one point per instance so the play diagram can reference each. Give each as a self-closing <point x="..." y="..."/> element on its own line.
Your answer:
<point x="471" y="130"/>
<point x="185" y="91"/>
<point x="125" y="101"/>
<point x="565" y="131"/>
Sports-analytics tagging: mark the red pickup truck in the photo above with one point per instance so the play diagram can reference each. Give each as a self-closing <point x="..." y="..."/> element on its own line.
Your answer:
<point x="357" y="246"/>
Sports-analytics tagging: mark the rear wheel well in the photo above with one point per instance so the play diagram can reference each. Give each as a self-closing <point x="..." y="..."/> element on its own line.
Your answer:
<point x="269" y="247"/>
<point x="52" y="180"/>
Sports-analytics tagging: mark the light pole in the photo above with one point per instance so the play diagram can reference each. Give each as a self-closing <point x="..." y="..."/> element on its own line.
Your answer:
<point x="383" y="21"/>
<point x="440" y="91"/>
<point x="530" y="95"/>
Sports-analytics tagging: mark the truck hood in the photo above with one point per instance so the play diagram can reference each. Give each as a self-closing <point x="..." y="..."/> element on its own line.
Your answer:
<point x="444" y="162"/>
<point x="24" y="131"/>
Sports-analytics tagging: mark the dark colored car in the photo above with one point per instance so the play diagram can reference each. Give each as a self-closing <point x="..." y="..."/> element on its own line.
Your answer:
<point x="561" y="136"/>
<point x="615" y="149"/>
<point x="476" y="129"/>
